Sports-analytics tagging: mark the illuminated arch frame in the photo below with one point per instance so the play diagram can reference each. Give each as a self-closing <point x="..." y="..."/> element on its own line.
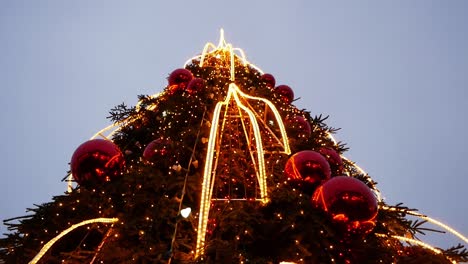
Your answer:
<point x="234" y="93"/>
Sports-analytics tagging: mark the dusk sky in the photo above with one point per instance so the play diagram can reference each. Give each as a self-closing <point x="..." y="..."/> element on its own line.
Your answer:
<point x="393" y="75"/>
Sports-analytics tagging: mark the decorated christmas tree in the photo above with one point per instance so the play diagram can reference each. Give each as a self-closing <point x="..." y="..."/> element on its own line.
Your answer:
<point x="220" y="167"/>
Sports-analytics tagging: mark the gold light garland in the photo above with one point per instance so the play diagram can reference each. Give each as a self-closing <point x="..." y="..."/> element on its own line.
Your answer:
<point x="49" y="244"/>
<point x="417" y="242"/>
<point x="430" y="220"/>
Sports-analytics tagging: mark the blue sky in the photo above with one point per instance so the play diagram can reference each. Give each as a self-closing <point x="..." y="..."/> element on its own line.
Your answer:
<point x="392" y="75"/>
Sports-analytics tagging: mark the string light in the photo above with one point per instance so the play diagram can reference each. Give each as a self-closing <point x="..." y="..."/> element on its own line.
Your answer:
<point x="222" y="46"/>
<point x="279" y="121"/>
<point x="419" y="243"/>
<point x="100" y="246"/>
<point x="442" y="225"/>
<point x="49" y="244"/>
<point x="430" y="220"/>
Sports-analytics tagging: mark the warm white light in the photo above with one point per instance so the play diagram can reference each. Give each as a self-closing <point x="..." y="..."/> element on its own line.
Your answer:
<point x="430" y="220"/>
<point x="419" y="243"/>
<point x="223" y="46"/>
<point x="444" y="226"/>
<point x="49" y="244"/>
<point x="278" y="118"/>
<point x="258" y="160"/>
<point x="185" y="212"/>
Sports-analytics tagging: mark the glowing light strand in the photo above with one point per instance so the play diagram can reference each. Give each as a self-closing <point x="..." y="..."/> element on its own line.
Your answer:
<point x="430" y="220"/>
<point x="206" y="192"/>
<point x="442" y="225"/>
<point x="234" y="93"/>
<point x="260" y="155"/>
<point x="108" y="233"/>
<point x="184" y="188"/>
<point x="49" y="244"/>
<point x="218" y="147"/>
<point x="417" y="242"/>
<point x="222" y="46"/>
<point x="265" y="126"/>
<point x="279" y="121"/>
<point x="249" y="146"/>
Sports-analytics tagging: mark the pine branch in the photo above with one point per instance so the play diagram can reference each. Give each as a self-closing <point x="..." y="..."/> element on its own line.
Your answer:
<point x="458" y="253"/>
<point x="120" y="112"/>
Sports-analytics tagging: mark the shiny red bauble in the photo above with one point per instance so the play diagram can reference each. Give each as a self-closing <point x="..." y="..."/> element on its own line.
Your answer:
<point x="307" y="166"/>
<point x="180" y="77"/>
<point x="269" y="80"/>
<point x="334" y="159"/>
<point x="348" y="202"/>
<point x="285" y="92"/>
<point x="195" y="85"/>
<point x="158" y="150"/>
<point x="95" y="161"/>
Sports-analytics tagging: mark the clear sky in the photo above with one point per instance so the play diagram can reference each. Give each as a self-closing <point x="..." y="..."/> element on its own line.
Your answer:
<point x="392" y="75"/>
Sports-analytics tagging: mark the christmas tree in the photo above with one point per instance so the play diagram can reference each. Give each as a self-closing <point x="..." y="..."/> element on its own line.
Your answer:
<point x="220" y="167"/>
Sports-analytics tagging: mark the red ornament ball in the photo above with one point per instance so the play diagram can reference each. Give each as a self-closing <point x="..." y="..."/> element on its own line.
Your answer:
<point x="334" y="159"/>
<point x="286" y="93"/>
<point x="269" y="80"/>
<point x="195" y="85"/>
<point x="301" y="126"/>
<point x="95" y="161"/>
<point x="307" y="166"/>
<point x="158" y="150"/>
<point x="348" y="202"/>
<point x="180" y="77"/>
